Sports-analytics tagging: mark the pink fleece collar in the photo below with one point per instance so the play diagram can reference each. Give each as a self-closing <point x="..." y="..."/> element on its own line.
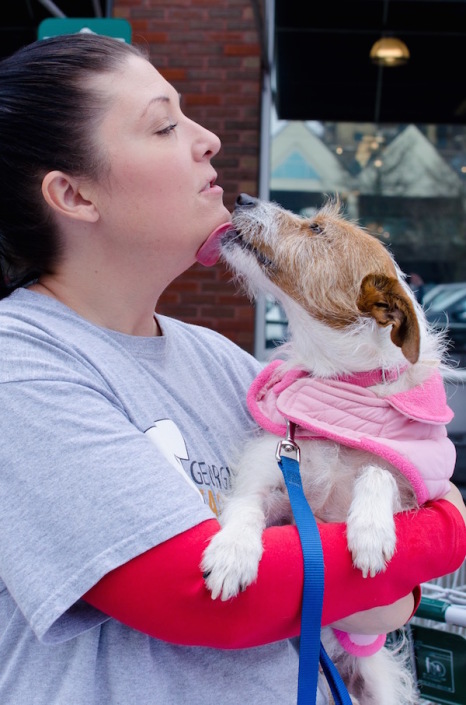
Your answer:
<point x="426" y="402"/>
<point x="372" y="377"/>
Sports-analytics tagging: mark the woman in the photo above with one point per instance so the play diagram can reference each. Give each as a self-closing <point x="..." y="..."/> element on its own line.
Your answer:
<point x="118" y="423"/>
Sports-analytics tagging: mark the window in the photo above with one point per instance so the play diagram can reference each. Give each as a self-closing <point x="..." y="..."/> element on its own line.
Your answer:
<point x="404" y="183"/>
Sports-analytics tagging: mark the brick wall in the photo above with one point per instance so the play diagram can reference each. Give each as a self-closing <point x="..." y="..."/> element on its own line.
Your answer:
<point x="210" y="51"/>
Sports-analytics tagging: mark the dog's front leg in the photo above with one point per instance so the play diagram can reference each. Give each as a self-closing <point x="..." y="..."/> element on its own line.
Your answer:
<point x="230" y="562"/>
<point x="370" y="523"/>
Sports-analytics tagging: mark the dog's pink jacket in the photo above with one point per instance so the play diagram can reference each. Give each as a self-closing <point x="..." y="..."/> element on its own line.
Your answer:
<point x="406" y="429"/>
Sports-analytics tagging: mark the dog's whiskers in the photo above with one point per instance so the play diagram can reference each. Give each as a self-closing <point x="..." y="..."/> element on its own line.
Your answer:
<point x="238" y="239"/>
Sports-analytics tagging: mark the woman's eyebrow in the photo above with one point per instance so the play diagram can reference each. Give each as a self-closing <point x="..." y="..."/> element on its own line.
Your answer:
<point x="158" y="99"/>
<point x="155" y="100"/>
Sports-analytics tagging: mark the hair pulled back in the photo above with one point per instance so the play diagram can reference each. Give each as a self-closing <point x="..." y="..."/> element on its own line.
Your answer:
<point x="48" y="116"/>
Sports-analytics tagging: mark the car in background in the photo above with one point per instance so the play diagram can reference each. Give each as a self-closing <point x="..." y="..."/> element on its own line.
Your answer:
<point x="445" y="307"/>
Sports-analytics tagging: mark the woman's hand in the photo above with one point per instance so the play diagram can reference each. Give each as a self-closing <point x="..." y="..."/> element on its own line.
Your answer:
<point x="379" y="620"/>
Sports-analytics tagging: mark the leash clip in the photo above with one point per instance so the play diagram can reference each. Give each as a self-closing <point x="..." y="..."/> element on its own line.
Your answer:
<point x="288" y="445"/>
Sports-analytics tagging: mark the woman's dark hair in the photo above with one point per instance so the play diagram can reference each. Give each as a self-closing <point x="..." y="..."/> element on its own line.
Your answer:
<point x="48" y="116"/>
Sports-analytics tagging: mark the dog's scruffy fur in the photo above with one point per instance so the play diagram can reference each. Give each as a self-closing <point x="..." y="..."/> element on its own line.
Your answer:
<point x="349" y="310"/>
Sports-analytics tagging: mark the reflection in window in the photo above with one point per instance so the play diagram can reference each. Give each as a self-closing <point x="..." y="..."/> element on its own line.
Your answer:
<point x="276" y="324"/>
<point x="404" y="183"/>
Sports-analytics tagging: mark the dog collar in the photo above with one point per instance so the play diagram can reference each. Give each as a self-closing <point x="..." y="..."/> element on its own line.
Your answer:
<point x="368" y="379"/>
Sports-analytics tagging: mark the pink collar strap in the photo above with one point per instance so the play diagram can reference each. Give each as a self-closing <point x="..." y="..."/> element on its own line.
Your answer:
<point x="372" y="377"/>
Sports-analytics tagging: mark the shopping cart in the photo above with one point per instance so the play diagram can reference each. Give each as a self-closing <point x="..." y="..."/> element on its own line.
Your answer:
<point x="437" y="640"/>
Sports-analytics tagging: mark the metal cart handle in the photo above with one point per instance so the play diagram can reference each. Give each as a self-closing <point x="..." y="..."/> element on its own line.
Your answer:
<point x="442" y="611"/>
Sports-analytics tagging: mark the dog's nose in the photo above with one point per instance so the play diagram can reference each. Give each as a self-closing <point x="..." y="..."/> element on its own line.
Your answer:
<point x="244" y="200"/>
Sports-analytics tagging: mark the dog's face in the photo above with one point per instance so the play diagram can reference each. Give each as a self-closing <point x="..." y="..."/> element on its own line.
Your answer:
<point x="337" y="272"/>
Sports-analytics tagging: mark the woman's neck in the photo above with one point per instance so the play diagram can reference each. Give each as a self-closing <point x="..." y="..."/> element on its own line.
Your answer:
<point x="105" y="308"/>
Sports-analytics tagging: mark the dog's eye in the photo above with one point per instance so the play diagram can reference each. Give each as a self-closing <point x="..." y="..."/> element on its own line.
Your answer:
<point x="315" y="227"/>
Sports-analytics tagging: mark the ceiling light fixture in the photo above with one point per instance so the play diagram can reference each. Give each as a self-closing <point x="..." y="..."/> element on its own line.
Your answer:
<point x="389" y="51"/>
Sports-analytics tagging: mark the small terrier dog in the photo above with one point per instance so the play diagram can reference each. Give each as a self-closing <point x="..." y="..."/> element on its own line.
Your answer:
<point x="359" y="378"/>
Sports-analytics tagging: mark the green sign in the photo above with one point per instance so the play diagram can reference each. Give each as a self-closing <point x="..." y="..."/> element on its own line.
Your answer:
<point x="440" y="665"/>
<point x="114" y="27"/>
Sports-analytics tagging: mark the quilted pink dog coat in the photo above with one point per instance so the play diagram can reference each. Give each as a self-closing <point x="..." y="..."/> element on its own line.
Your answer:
<point x="406" y="429"/>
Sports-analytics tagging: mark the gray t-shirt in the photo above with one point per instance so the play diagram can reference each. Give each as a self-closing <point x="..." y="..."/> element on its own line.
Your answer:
<point x="111" y="444"/>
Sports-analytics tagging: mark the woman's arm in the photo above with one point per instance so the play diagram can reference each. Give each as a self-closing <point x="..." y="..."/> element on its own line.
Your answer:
<point x="381" y="620"/>
<point x="162" y="592"/>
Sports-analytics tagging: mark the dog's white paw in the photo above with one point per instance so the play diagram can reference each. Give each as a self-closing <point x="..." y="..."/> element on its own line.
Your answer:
<point x="372" y="546"/>
<point x="370" y="526"/>
<point x="231" y="560"/>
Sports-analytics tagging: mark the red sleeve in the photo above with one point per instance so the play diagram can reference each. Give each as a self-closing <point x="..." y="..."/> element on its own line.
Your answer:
<point x="162" y="592"/>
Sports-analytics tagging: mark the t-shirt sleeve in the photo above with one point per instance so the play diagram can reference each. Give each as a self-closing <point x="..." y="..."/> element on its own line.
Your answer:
<point x="82" y="492"/>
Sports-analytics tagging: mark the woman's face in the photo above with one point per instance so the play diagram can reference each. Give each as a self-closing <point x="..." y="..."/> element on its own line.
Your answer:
<point x="160" y="195"/>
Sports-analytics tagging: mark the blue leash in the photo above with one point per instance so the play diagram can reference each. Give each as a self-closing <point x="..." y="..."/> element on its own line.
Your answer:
<point x="311" y="650"/>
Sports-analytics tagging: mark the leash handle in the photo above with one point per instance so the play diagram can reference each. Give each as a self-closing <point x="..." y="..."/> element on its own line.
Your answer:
<point x="311" y="650"/>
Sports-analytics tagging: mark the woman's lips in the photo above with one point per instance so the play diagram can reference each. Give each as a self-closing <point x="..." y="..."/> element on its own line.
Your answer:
<point x="209" y="253"/>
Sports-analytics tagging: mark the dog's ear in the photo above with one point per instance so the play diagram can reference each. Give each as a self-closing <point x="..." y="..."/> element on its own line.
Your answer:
<point x="386" y="301"/>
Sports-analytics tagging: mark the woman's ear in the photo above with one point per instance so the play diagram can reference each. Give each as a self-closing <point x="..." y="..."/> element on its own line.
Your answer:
<point x="386" y="301"/>
<point x="65" y="196"/>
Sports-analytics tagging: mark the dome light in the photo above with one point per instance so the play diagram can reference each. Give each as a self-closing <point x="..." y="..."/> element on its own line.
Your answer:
<point x="389" y="51"/>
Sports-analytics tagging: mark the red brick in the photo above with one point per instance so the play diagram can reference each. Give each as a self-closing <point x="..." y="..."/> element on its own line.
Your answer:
<point x="201" y="99"/>
<point x="139" y="25"/>
<point x="173" y="74"/>
<point x="157" y="37"/>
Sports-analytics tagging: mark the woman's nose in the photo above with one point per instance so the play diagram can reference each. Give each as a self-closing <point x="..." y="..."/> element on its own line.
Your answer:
<point x="207" y="144"/>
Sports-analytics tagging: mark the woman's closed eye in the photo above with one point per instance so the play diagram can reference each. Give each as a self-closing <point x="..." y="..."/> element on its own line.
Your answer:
<point x="167" y="130"/>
